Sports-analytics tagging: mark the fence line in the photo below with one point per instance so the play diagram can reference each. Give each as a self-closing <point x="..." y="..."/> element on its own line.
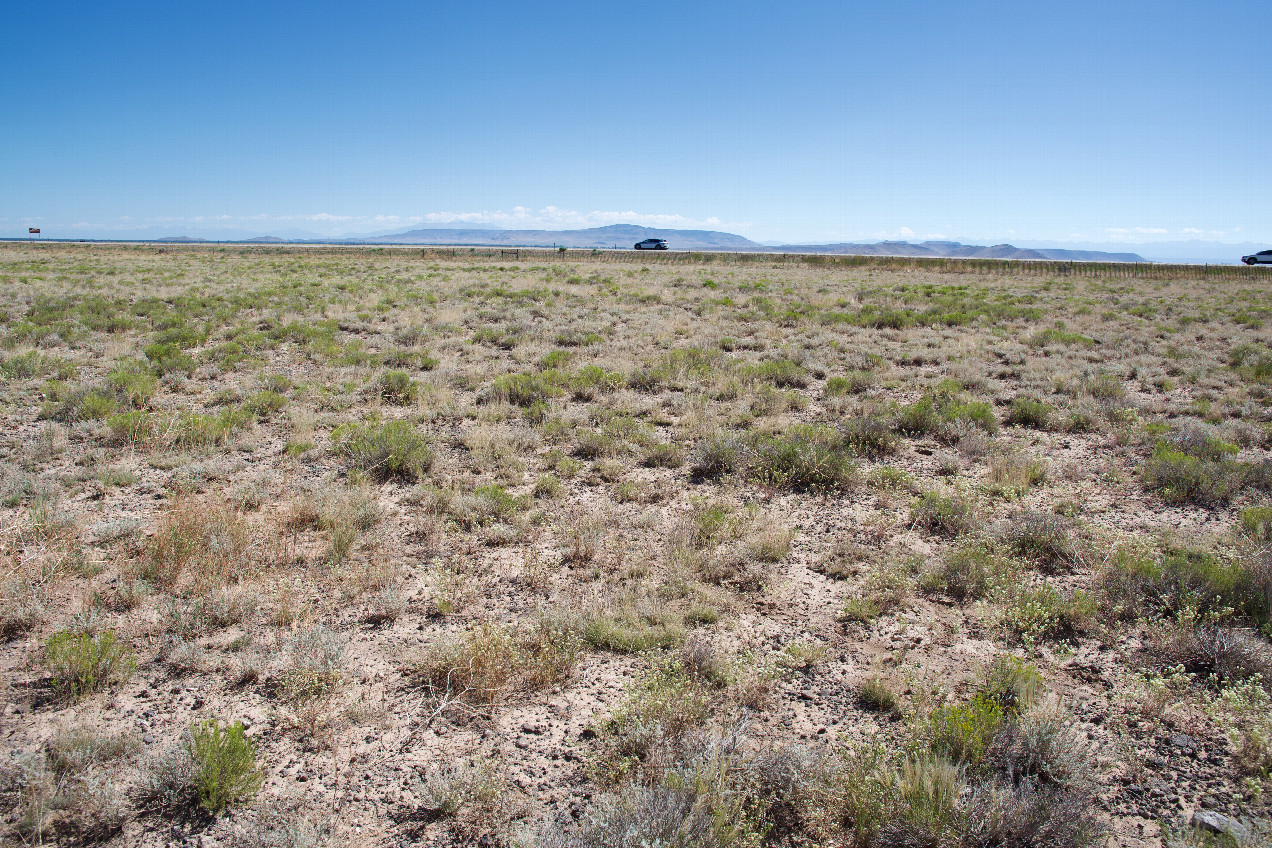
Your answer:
<point x="950" y="265"/>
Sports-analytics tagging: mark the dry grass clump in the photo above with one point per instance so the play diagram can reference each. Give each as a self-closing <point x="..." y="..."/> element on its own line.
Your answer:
<point x="470" y="798"/>
<point x="1045" y="539"/>
<point x="967" y="573"/>
<point x="313" y="664"/>
<point x="394" y="450"/>
<point x="948" y="516"/>
<point x="202" y="542"/>
<point x="487" y="663"/>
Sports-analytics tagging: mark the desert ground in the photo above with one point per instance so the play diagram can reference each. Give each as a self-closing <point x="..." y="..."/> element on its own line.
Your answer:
<point x="323" y="546"/>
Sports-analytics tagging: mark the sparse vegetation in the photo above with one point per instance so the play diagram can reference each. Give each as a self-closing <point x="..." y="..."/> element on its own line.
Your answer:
<point x="467" y="539"/>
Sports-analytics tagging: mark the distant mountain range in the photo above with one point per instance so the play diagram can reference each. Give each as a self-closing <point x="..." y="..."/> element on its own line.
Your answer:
<point x="623" y="236"/>
<point x="613" y="236"/>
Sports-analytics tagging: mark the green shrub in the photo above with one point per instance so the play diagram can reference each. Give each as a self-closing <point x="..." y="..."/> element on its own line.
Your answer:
<point x="132" y="427"/>
<point x="936" y="414"/>
<point x="962" y="732"/>
<point x="779" y="372"/>
<point x="631" y="632"/>
<point x="1103" y="386"/>
<point x="852" y="383"/>
<point x="524" y="390"/>
<point x="889" y="479"/>
<point x="1185" y="580"/>
<point x="80" y="404"/>
<point x="577" y="338"/>
<point x="554" y="359"/>
<point x="1256" y="523"/>
<point x="548" y="486"/>
<point x="944" y="515"/>
<point x="967" y="574"/>
<point x="397" y="388"/>
<point x="224" y="764"/>
<point x="1058" y="335"/>
<point x="870" y="436"/>
<point x="1182" y="478"/>
<point x="1032" y="613"/>
<point x="876" y="695"/>
<point x="592" y="380"/>
<point x="264" y="403"/>
<point x="394" y="450"/>
<point x="82" y="663"/>
<point x="1025" y="412"/>
<point x="34" y="364"/>
<point x="133" y="383"/>
<point x="195" y="430"/>
<point x="417" y="359"/>
<point x="803" y="459"/>
<point x="664" y="456"/>
<point x="1012" y="682"/>
<point x="168" y="358"/>
<point x="859" y="610"/>
<point x="917" y="419"/>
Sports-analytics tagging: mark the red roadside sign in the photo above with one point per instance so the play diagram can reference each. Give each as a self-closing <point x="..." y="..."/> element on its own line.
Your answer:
<point x="33" y="229"/>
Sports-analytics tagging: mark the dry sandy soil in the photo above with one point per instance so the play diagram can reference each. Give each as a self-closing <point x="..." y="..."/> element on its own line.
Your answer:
<point x="311" y="547"/>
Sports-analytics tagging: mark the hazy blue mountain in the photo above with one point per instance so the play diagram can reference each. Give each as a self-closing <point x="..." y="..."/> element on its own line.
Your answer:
<point x="953" y="249"/>
<point x="625" y="235"/>
<point x="615" y="235"/>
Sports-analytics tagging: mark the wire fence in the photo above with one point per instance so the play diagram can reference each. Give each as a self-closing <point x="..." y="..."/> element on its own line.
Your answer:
<point x="980" y="267"/>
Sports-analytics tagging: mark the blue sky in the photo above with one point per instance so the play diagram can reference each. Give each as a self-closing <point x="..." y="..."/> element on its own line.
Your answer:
<point x="981" y="121"/>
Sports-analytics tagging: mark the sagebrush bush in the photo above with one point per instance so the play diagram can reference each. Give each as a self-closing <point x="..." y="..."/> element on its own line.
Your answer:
<point x="224" y="761"/>
<point x="1226" y="653"/>
<point x="314" y="664"/>
<point x="82" y="663"/>
<point x="1044" y="745"/>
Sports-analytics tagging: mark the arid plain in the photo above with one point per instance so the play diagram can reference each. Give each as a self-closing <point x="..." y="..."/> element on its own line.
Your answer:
<point x="323" y="546"/>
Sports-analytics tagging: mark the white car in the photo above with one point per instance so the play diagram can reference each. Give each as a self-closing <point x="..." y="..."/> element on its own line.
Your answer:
<point x="1263" y="257"/>
<point x="652" y="244"/>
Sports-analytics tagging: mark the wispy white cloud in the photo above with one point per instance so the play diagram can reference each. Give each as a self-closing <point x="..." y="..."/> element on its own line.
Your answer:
<point x="903" y="234"/>
<point x="554" y="217"/>
<point x="334" y="224"/>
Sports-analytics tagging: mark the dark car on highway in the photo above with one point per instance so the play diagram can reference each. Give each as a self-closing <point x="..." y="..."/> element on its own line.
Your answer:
<point x="652" y="244"/>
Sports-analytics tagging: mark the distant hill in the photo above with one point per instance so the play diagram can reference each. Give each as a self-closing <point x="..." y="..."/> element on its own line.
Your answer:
<point x="626" y="235"/>
<point x="616" y="235"/>
<point x="953" y="249"/>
